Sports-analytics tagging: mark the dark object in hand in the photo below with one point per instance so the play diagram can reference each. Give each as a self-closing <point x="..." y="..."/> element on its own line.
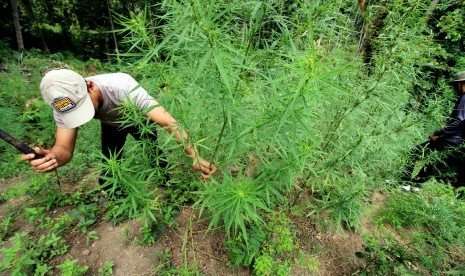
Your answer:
<point x="19" y="145"/>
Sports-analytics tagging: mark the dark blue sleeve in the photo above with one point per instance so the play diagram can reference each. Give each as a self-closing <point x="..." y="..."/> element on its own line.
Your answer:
<point x="454" y="126"/>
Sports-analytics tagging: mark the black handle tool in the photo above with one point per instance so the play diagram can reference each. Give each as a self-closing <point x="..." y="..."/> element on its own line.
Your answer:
<point x="19" y="145"/>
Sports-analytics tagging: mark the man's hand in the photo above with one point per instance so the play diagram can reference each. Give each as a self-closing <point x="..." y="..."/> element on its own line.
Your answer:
<point x="42" y="165"/>
<point x="433" y="137"/>
<point x="204" y="166"/>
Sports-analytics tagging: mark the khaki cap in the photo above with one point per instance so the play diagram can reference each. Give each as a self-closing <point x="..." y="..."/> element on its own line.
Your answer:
<point x="66" y="92"/>
<point x="460" y="76"/>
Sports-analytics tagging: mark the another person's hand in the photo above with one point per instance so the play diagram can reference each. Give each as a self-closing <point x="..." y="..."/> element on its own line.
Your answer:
<point x="433" y="137"/>
<point x="41" y="165"/>
<point x="205" y="167"/>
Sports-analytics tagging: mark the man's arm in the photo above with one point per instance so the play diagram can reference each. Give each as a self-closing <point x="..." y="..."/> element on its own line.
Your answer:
<point x="457" y="117"/>
<point x="164" y="119"/>
<point x="59" y="155"/>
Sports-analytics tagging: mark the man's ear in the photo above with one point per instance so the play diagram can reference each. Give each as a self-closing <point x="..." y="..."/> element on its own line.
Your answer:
<point x="90" y="86"/>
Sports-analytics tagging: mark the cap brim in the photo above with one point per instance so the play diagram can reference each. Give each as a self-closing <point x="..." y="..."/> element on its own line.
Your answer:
<point x="80" y="115"/>
<point x="462" y="80"/>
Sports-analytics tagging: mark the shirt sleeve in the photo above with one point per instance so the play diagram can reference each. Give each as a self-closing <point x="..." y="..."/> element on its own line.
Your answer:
<point x="455" y="125"/>
<point x="137" y="94"/>
<point x="58" y="120"/>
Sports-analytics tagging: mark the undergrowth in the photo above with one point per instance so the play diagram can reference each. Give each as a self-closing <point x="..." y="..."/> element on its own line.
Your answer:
<point x="432" y="222"/>
<point x="286" y="100"/>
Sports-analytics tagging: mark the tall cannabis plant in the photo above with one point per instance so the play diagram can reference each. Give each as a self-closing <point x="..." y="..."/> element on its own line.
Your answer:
<point x="288" y="84"/>
<point x="235" y="203"/>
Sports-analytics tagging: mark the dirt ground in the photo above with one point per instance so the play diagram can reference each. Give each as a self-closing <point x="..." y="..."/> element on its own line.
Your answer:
<point x="189" y="245"/>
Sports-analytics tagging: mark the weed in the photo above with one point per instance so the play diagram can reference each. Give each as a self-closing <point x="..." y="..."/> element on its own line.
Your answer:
<point x="107" y="269"/>
<point x="71" y="268"/>
<point x="264" y="265"/>
<point x="269" y="249"/>
<point x="311" y="264"/>
<point x="242" y="254"/>
<point x="385" y="257"/>
<point x="63" y="223"/>
<point x="162" y="257"/>
<point x="283" y="269"/>
<point x="282" y="239"/>
<point x="435" y="219"/>
<point x="42" y="270"/>
<point x="235" y="203"/>
<point x="19" y="189"/>
<point x="33" y="118"/>
<point x="17" y="258"/>
<point x="343" y="201"/>
<point x="87" y="216"/>
<point x="5" y="227"/>
<point x="150" y="229"/>
<point x="91" y="235"/>
<point x="130" y="185"/>
<point x="149" y="233"/>
<point x="436" y="208"/>
<point x="27" y="256"/>
<point x="44" y="189"/>
<point x="49" y="246"/>
<point x="13" y="167"/>
<point x="39" y="217"/>
<point x="272" y="79"/>
<point x="181" y="191"/>
<point x="36" y="214"/>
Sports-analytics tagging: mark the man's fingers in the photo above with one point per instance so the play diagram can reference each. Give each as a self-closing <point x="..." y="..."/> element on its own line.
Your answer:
<point x="208" y="169"/>
<point x="31" y="156"/>
<point x="41" y="165"/>
<point x="204" y="169"/>
<point x="205" y="177"/>
<point x="26" y="157"/>
<point x="46" y="169"/>
<point x="44" y="164"/>
<point x="212" y="169"/>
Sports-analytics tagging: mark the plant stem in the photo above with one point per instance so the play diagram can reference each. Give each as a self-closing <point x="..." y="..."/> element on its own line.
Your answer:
<point x="241" y="72"/>
<point x="218" y="142"/>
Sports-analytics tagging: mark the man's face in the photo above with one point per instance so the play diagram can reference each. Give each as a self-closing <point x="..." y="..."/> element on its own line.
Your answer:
<point x="459" y="87"/>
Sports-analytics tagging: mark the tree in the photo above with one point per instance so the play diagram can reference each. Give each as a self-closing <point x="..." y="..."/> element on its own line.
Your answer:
<point x="15" y="15"/>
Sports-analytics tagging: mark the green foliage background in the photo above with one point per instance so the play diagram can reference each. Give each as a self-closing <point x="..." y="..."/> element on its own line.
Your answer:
<point x="304" y="106"/>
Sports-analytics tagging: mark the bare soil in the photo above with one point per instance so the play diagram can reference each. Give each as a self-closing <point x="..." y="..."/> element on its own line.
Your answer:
<point x="190" y="247"/>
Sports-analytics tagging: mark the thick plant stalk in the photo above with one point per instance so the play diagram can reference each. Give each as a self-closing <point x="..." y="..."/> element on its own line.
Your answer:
<point x="113" y="30"/>
<point x="218" y="142"/>
<point x="431" y="9"/>
<point x="246" y="53"/>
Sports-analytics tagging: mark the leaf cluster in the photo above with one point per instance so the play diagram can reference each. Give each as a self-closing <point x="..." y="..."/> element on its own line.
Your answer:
<point x="235" y="203"/>
<point x="432" y="222"/>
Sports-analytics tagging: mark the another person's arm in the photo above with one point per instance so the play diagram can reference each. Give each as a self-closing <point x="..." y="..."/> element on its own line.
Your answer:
<point x="454" y="125"/>
<point x="164" y="119"/>
<point x="59" y="155"/>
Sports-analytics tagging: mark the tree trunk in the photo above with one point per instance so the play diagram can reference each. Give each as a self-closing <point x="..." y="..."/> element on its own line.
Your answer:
<point x="113" y="32"/>
<point x="30" y="12"/>
<point x="431" y="9"/>
<point x="15" y="15"/>
<point x="369" y="33"/>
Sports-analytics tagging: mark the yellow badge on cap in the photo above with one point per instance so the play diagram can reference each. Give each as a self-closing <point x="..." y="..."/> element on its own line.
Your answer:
<point x="63" y="104"/>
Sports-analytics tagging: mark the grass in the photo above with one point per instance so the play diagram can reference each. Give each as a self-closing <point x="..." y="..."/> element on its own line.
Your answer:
<point x="278" y="99"/>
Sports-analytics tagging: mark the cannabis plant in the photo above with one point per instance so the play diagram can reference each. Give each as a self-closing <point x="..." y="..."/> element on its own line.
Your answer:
<point x="327" y="96"/>
<point x="434" y="218"/>
<point x="235" y="203"/>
